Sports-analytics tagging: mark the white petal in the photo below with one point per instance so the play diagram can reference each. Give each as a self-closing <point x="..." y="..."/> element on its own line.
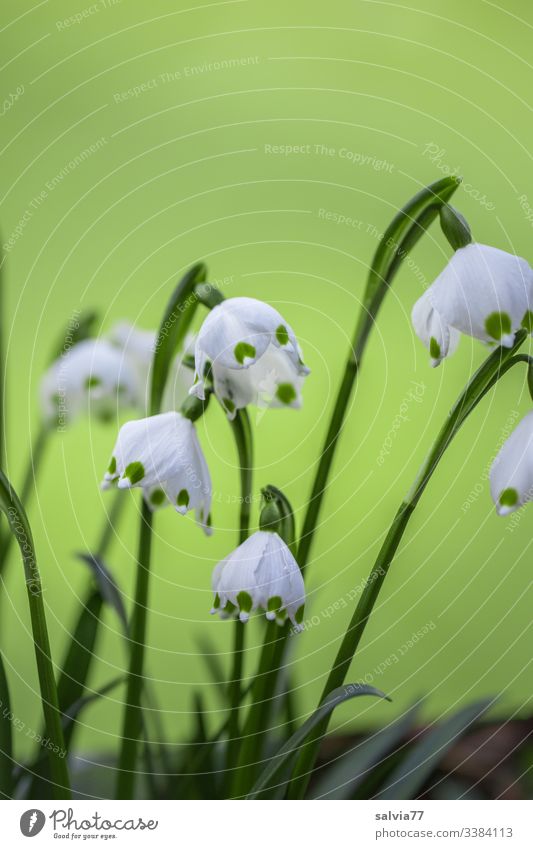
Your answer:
<point x="264" y="568"/>
<point x="480" y="282"/>
<point x="512" y="471"/>
<point x="439" y="338"/>
<point x="93" y="376"/>
<point x="160" y="445"/>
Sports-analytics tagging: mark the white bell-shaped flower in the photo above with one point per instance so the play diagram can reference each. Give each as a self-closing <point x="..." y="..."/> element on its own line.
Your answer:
<point x="483" y="292"/>
<point x="162" y="455"/>
<point x="138" y="347"/>
<point x="511" y="475"/>
<point x="253" y="355"/>
<point x="91" y="376"/>
<point x="260" y="573"/>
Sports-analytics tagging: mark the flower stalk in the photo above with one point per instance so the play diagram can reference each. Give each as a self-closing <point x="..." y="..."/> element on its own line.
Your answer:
<point x="494" y="367"/>
<point x="174" y="324"/>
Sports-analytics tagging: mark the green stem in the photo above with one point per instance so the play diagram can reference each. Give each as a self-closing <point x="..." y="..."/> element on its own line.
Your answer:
<point x="34" y="463"/>
<point x="242" y="432"/>
<point x="174" y="324"/>
<point x="109" y="527"/>
<point x="253" y="733"/>
<point x="403" y="233"/>
<point x="20" y="528"/>
<point x="132" y="724"/>
<point x="494" y="367"/>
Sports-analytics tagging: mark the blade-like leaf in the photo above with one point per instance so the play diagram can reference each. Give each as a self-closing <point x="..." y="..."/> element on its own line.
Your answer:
<point x="6" y="737"/>
<point x="290" y="749"/>
<point x="107" y="587"/>
<point x="176" y="320"/>
<point x="341" y="780"/>
<point x="424" y="756"/>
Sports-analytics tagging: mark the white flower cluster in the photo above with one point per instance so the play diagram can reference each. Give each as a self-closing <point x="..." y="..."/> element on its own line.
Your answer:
<point x="251" y="356"/>
<point x="107" y="375"/>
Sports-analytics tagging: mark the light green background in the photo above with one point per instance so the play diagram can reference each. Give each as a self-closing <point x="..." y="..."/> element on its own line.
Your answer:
<point x="184" y="173"/>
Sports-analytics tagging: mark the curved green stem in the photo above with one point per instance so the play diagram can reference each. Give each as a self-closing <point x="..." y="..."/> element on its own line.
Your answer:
<point x="34" y="462"/>
<point x="494" y="367"/>
<point x="20" y="528"/>
<point x="400" y="237"/>
<point x="242" y="432"/>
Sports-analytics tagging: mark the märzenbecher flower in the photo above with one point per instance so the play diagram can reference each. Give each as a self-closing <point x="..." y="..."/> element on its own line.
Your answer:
<point x="483" y="292"/>
<point x="162" y="455"/>
<point x="260" y="573"/>
<point x="93" y="377"/>
<point x="511" y="475"/>
<point x="252" y="354"/>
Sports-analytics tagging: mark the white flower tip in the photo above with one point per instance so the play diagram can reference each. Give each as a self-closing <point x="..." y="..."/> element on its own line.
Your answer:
<point x="105" y="485"/>
<point x="243" y="616"/>
<point x="507" y="340"/>
<point x="434" y="363"/>
<point x="182" y="510"/>
<point x="304" y="370"/>
<point x="297" y="629"/>
<point x="504" y="509"/>
<point x="270" y="615"/>
<point x="124" y="483"/>
<point x="197" y="389"/>
<point x="213" y="611"/>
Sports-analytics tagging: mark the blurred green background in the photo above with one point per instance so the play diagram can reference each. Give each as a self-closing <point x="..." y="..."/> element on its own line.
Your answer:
<point x="184" y="108"/>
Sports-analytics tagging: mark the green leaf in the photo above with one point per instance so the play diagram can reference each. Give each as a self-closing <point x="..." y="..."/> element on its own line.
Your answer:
<point x="290" y="749"/>
<point x="6" y="737"/>
<point x="412" y="773"/>
<point x="77" y="330"/>
<point x="19" y="526"/>
<point x="402" y="234"/>
<point x="174" y="325"/>
<point x="107" y="587"/>
<point x="350" y="770"/>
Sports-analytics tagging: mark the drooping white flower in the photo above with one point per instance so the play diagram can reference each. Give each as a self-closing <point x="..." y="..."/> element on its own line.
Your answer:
<point x="260" y="573"/>
<point x="91" y="376"/>
<point x="483" y="292"/>
<point x="162" y="455"/>
<point x="511" y="475"/>
<point x="138" y="347"/>
<point x="253" y="355"/>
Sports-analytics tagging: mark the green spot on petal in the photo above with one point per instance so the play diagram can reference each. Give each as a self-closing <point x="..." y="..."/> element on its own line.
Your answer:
<point x="183" y="498"/>
<point x="282" y="335"/>
<point x="508" y="497"/>
<point x="134" y="472"/>
<point x="286" y="393"/>
<point x="112" y="466"/>
<point x="434" y="349"/>
<point x="299" y="615"/>
<point x="157" y="497"/>
<point x="245" y="601"/>
<point x="527" y="321"/>
<point x="498" y="324"/>
<point x="92" y="382"/>
<point x="242" y="351"/>
<point x="216" y="603"/>
<point x="229" y="405"/>
<point x="274" y="603"/>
